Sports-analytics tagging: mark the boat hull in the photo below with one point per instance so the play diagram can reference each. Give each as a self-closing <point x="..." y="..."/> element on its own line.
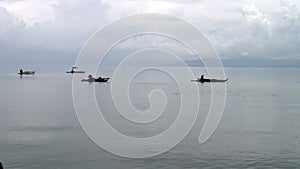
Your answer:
<point x="27" y="73"/>
<point x="209" y="80"/>
<point x="75" y="71"/>
<point x="96" y="80"/>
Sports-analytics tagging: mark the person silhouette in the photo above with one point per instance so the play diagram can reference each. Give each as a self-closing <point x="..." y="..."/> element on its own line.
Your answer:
<point x="201" y="79"/>
<point x="91" y="79"/>
<point x="1" y="166"/>
<point x="21" y="72"/>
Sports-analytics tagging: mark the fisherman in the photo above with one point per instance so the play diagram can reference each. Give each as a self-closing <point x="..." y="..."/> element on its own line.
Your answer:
<point x="202" y="77"/>
<point x="91" y="78"/>
<point x="21" y="72"/>
<point x="73" y="68"/>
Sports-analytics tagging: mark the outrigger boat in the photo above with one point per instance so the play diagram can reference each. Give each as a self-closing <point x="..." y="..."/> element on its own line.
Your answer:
<point x="203" y="80"/>
<point x="74" y="70"/>
<point x="26" y="72"/>
<point x="99" y="79"/>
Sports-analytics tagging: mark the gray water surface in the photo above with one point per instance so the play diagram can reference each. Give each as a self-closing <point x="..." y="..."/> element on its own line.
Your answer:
<point x="260" y="127"/>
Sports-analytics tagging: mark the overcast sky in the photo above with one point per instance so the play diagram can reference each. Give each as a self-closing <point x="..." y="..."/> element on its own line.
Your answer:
<point x="53" y="31"/>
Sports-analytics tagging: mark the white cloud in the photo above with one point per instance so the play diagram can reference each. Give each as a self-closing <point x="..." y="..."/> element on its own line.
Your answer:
<point x="62" y="25"/>
<point x="262" y="28"/>
<point x="123" y="8"/>
<point x="244" y="54"/>
<point x="266" y="33"/>
<point x="31" y="11"/>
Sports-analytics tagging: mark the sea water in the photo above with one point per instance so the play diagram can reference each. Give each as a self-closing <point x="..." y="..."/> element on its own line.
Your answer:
<point x="260" y="127"/>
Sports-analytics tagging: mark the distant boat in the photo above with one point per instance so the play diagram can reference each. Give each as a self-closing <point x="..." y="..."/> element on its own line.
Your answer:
<point x="26" y="72"/>
<point x="74" y="70"/>
<point x="210" y="80"/>
<point x="99" y="79"/>
<point x="203" y="80"/>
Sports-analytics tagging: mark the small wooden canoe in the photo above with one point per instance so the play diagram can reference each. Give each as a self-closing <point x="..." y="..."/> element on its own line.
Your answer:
<point x="75" y="71"/>
<point x="27" y="73"/>
<point x="209" y="80"/>
<point x="100" y="79"/>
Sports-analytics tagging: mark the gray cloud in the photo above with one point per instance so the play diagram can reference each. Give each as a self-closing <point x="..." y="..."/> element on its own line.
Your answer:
<point x="261" y="29"/>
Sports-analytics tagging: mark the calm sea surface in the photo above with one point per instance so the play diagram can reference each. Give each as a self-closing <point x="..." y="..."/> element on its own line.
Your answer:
<point x="260" y="127"/>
